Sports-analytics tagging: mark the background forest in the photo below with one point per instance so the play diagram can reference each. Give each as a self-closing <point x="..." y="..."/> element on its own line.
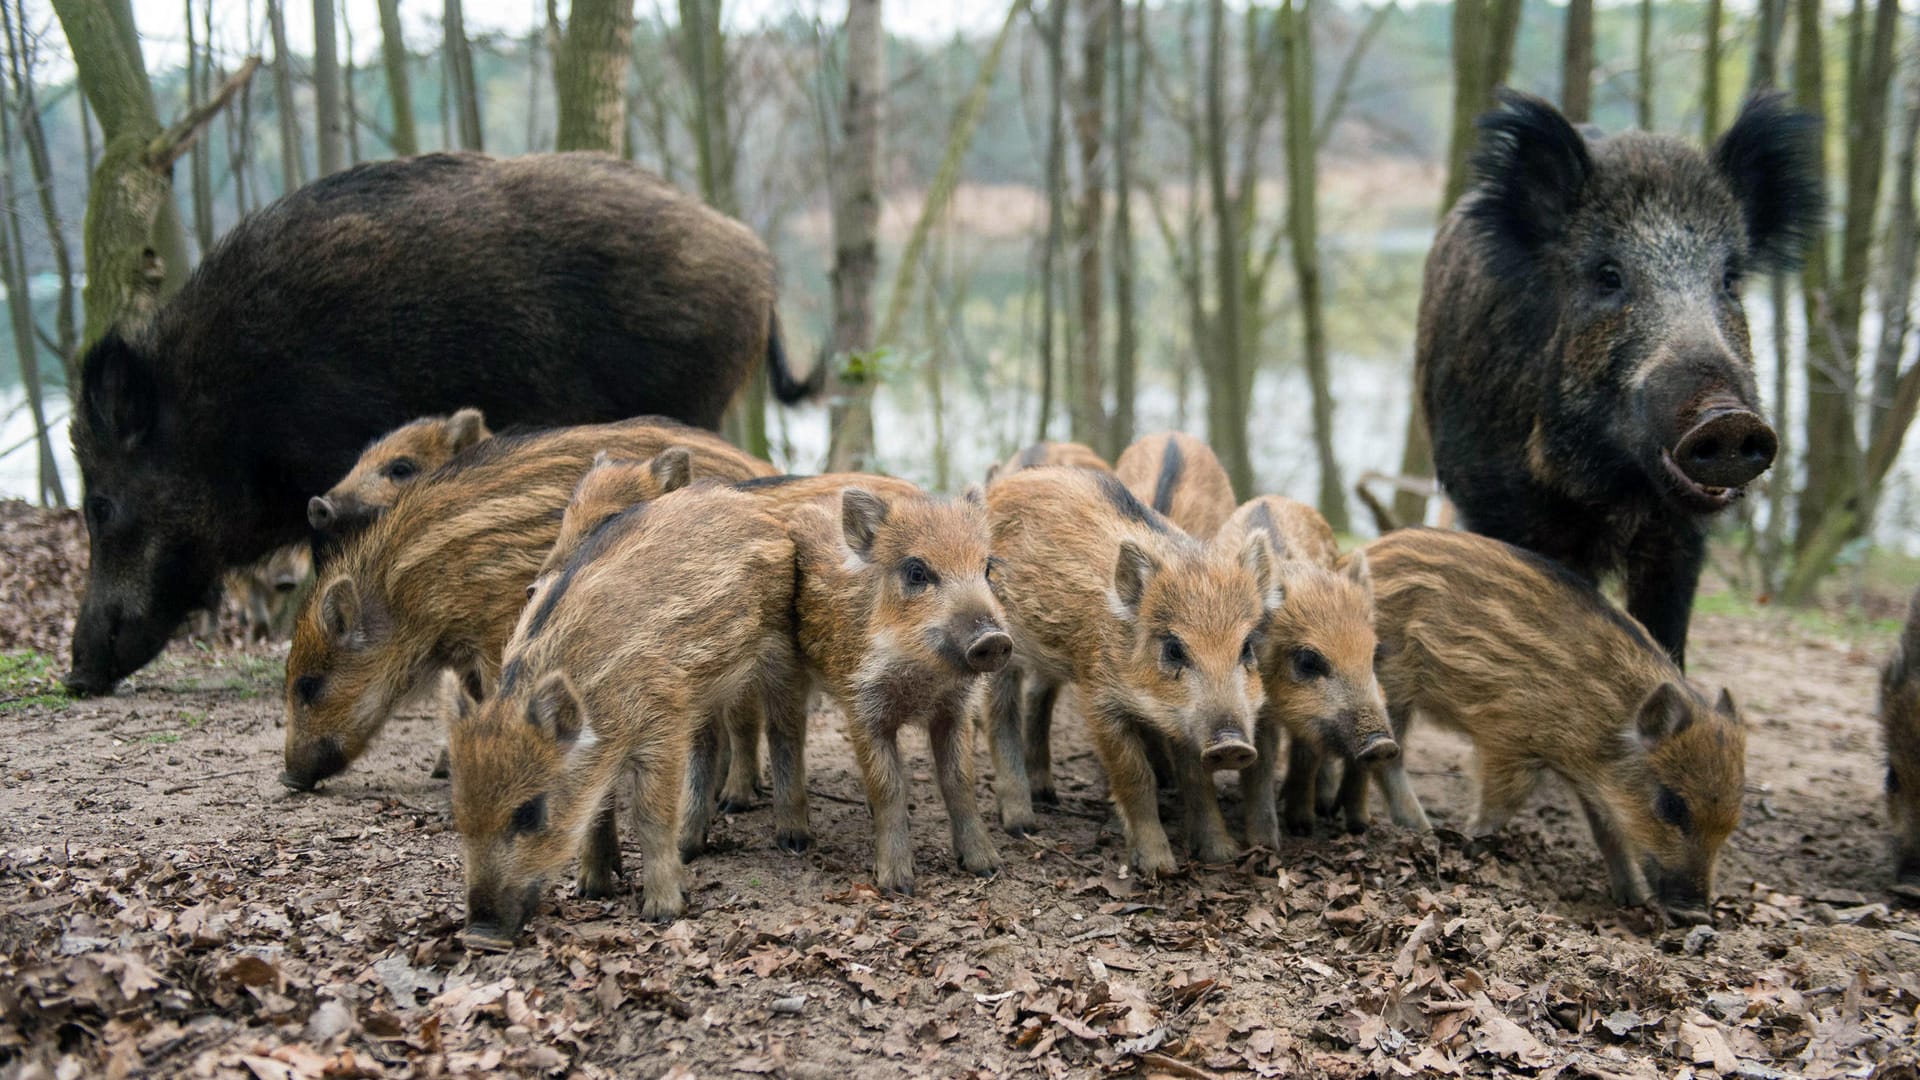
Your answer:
<point x="1065" y="218"/>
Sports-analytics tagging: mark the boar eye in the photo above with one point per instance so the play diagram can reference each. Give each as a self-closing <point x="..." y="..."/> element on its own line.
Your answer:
<point x="1308" y="665"/>
<point x="307" y="688"/>
<point x="99" y="509"/>
<point x="1608" y="279"/>
<point x="1730" y="282"/>
<point x="1173" y="652"/>
<point x="917" y="574"/>
<point x="1673" y="809"/>
<point x="401" y="468"/>
<point x="529" y="815"/>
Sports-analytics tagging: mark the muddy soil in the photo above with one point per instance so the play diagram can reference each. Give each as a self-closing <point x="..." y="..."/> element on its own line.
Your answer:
<point x="166" y="908"/>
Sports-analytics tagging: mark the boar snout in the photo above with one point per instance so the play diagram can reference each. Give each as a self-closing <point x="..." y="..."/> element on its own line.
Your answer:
<point x="1377" y="746"/>
<point x="1227" y="746"/>
<point x="1681" y="894"/>
<point x="310" y="763"/>
<point x="110" y="643"/>
<point x="989" y="651"/>
<point x="321" y="513"/>
<point x="1727" y="447"/>
<point x="494" y="921"/>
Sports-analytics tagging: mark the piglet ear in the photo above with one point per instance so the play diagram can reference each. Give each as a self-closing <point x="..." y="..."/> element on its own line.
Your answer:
<point x="975" y="495"/>
<point x="1532" y="167"/>
<point x="340" y="611"/>
<point x="555" y="709"/>
<point x="1770" y="157"/>
<point x="861" y="515"/>
<point x="466" y="427"/>
<point x="1664" y="714"/>
<point x="1725" y="706"/>
<point x="1132" y="572"/>
<point x="672" y="468"/>
<point x="122" y="398"/>
<point x="1257" y="556"/>
<point x="1358" y="572"/>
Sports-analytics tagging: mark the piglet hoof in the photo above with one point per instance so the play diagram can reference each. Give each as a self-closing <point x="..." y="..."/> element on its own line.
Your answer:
<point x="663" y="911"/>
<point x="692" y="849"/>
<point x="1298" y="826"/>
<point x="1357" y="826"/>
<point x="897" y="887"/>
<point x="1477" y="846"/>
<point x="793" y="840"/>
<point x="597" y="886"/>
<point x="1264" y="838"/>
<point x="981" y="864"/>
<point x="442" y="765"/>
<point x="1019" y="827"/>
<point x="733" y="804"/>
<point x="1217" y="852"/>
<point x="1152" y="865"/>
<point x="1046" y="796"/>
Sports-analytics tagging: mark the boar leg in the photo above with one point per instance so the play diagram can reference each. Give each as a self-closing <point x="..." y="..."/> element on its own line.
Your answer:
<point x="600" y="861"/>
<point x="703" y="766"/>
<point x="1402" y="803"/>
<point x="743" y="761"/>
<point x="1356" y="782"/>
<point x="1207" y="837"/>
<point x="1325" y="789"/>
<point x="1623" y="880"/>
<point x="1011" y="787"/>
<point x="783" y="701"/>
<point x="1256" y="784"/>
<point x="658" y="809"/>
<point x="876" y="746"/>
<point x="1663" y="570"/>
<point x="1038" y="711"/>
<point x="1504" y="788"/>
<point x="952" y="742"/>
<point x="1298" y="790"/>
<point x="1117" y="739"/>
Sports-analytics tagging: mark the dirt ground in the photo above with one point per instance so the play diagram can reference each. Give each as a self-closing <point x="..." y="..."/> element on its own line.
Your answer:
<point x="166" y="908"/>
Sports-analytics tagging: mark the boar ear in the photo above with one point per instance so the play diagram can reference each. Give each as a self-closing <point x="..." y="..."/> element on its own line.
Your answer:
<point x="340" y="610"/>
<point x="466" y="427"/>
<point x="975" y="496"/>
<point x="1532" y="166"/>
<point x="861" y="515"/>
<point x="672" y="468"/>
<point x="1359" y="572"/>
<point x="122" y="398"/>
<point x="1257" y="556"/>
<point x="1725" y="707"/>
<point x="993" y="470"/>
<point x="1664" y="714"/>
<point x="1131" y="573"/>
<point x="555" y="708"/>
<point x="1770" y="157"/>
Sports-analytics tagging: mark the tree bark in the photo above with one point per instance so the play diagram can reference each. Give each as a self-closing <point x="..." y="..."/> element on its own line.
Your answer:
<point x="34" y="136"/>
<point x="199" y="169"/>
<point x="1054" y="37"/>
<point x="393" y="53"/>
<point x="461" y="81"/>
<point x="1226" y="399"/>
<point x="13" y="272"/>
<point x="1896" y="290"/>
<point x="293" y="171"/>
<point x="1643" y="70"/>
<point x="856" y="250"/>
<point x="1127" y="86"/>
<point x="1088" y="412"/>
<point x="350" y="106"/>
<point x="327" y="98"/>
<point x="590" y="76"/>
<point x="1576" y="72"/>
<point x="1710" y="74"/>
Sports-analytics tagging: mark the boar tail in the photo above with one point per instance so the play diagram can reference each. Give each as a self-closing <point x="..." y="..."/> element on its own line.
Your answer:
<point x="789" y="390"/>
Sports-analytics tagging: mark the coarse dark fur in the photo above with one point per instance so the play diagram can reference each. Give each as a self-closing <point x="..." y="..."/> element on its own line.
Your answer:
<point x="545" y="290"/>
<point x="1582" y="311"/>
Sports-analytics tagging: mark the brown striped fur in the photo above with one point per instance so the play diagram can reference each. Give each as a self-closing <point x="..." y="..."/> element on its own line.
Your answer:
<point x="1545" y="674"/>
<point x="1040" y="455"/>
<point x="898" y="621"/>
<point x="1158" y="632"/>
<point x="407" y="453"/>
<point x="677" y="614"/>
<point x="1317" y="663"/>
<point x="1900" y="723"/>
<point x="438" y="580"/>
<point x="267" y="590"/>
<point x="1179" y="476"/>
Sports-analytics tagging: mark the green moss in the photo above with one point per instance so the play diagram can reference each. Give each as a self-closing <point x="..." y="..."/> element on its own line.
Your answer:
<point x="27" y="680"/>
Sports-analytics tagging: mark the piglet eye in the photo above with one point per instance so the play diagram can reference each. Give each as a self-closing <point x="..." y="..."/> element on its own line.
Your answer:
<point x="402" y="468"/>
<point x="307" y="689"/>
<point x="529" y="815"/>
<point x="1250" y="651"/>
<point x="917" y="574"/>
<point x="1673" y="809"/>
<point x="1173" y="652"/>
<point x="1309" y="665"/>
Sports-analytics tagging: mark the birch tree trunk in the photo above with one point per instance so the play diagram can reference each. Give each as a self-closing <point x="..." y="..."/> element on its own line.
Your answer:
<point x="856" y="250"/>
<point x="393" y="54"/>
<point x="590" y="76"/>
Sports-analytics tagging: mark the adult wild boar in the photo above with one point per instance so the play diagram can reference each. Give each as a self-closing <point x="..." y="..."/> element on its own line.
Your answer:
<point x="546" y="290"/>
<point x="1583" y="356"/>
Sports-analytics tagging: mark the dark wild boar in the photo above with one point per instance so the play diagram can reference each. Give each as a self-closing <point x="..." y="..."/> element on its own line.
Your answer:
<point x="1900" y="722"/>
<point x="543" y="290"/>
<point x="438" y="581"/>
<point x="1583" y="357"/>
<point x="1316" y="662"/>
<point x="1158" y="632"/>
<point x="1544" y="674"/>
<point x="388" y="464"/>
<point x="1181" y="478"/>
<point x="675" y="614"/>
<point x="897" y="620"/>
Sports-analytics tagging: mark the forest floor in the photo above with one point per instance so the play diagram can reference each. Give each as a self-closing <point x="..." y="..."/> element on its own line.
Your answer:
<point x="166" y="908"/>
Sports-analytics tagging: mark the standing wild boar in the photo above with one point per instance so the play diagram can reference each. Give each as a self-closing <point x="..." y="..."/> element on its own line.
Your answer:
<point x="543" y="290"/>
<point x="439" y="579"/>
<point x="1181" y="478"/>
<point x="1316" y="662"/>
<point x="266" y="590"/>
<point x="897" y="620"/>
<point x="1900" y="721"/>
<point x="675" y="614"/>
<point x="1544" y="674"/>
<point x="1582" y="354"/>
<point x="1159" y="633"/>
<point x="388" y="464"/>
<point x="1070" y="455"/>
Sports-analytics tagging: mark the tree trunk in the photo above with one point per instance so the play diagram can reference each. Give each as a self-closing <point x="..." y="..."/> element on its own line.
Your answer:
<point x="13" y="273"/>
<point x="199" y="170"/>
<point x="1770" y="23"/>
<point x="1226" y="401"/>
<point x="293" y="171"/>
<point x="1127" y="86"/>
<point x="462" y="84"/>
<point x="393" y="53"/>
<point x="1643" y="71"/>
<point x="1896" y="290"/>
<point x="856" y="251"/>
<point x="590" y="76"/>
<point x="1303" y="227"/>
<point x="327" y="98"/>
<point x="351" y="106"/>
<point x="1576" y="73"/>
<point x="1088" y="413"/>
<point x="1710" y="75"/>
<point x="1054" y="37"/>
<point x="34" y="135"/>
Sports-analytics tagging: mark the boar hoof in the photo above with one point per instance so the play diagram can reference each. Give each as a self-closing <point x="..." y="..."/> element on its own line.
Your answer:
<point x="733" y="804"/>
<point x="1357" y="826"/>
<point x="1300" y="826"/>
<point x="897" y="888"/>
<point x="597" y="886"/>
<point x="793" y="840"/>
<point x="442" y="765"/>
<point x="1217" y="852"/>
<point x="1020" y="830"/>
<point x="984" y="865"/>
<point x="1046" y="796"/>
<point x="1160" y="865"/>
<point x="663" y="912"/>
<point x="1689" y="916"/>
